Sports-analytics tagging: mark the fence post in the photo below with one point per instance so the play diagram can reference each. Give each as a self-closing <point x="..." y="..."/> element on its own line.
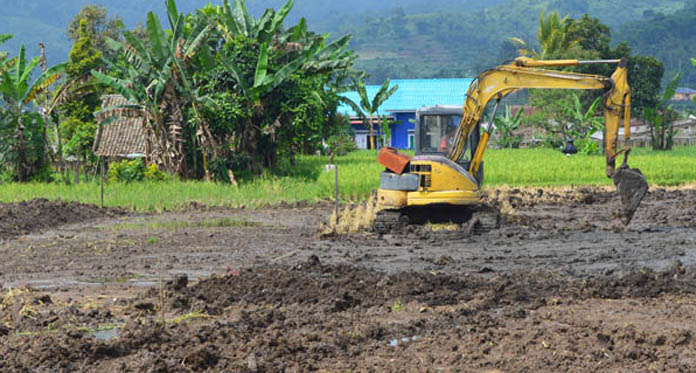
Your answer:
<point x="336" y="189"/>
<point x="101" y="205"/>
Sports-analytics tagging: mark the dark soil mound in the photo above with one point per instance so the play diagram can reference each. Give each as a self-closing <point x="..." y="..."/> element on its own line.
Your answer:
<point x="314" y="316"/>
<point x="336" y="288"/>
<point x="31" y="216"/>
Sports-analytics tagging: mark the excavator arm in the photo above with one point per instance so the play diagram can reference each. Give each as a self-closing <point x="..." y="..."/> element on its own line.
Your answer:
<point x="496" y="83"/>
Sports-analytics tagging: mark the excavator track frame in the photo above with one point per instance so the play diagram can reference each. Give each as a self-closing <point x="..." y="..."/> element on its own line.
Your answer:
<point x="476" y="219"/>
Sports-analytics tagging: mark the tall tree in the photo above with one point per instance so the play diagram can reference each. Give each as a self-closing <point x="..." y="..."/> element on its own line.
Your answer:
<point x="79" y="96"/>
<point x="99" y="27"/>
<point x="590" y="35"/>
<point x="22" y="132"/>
<point x="266" y="63"/>
<point x="553" y="36"/>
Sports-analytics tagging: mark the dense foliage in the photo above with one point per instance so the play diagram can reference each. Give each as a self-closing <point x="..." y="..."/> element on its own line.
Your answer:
<point x="22" y="132"/>
<point x="225" y="92"/>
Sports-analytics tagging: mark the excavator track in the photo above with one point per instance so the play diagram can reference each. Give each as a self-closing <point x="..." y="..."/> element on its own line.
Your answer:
<point x="483" y="220"/>
<point x="475" y="219"/>
<point x="389" y="221"/>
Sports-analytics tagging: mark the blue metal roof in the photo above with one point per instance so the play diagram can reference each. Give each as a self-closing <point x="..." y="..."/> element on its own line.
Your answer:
<point x="414" y="93"/>
<point x="686" y="90"/>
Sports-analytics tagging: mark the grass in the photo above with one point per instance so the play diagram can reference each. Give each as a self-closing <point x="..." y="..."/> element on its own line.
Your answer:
<point x="359" y="177"/>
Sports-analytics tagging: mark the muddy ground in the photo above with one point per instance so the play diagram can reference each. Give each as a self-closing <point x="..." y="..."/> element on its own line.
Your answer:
<point x="562" y="286"/>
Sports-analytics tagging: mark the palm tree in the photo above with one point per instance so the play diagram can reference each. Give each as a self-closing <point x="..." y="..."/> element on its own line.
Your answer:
<point x="553" y="36"/>
<point x="158" y="82"/>
<point x="17" y="91"/>
<point x="367" y="107"/>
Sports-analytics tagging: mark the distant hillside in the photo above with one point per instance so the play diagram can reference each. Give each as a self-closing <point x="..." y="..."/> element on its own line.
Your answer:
<point x="34" y="21"/>
<point x="669" y="37"/>
<point x="464" y="42"/>
<point x="405" y="38"/>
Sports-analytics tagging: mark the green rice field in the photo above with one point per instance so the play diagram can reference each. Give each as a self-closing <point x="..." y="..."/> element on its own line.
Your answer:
<point x="359" y="176"/>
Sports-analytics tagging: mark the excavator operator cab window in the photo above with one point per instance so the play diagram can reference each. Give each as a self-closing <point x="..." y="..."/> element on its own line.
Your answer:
<point x="437" y="133"/>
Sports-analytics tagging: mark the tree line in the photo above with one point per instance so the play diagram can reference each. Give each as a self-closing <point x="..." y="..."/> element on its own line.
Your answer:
<point x="221" y="91"/>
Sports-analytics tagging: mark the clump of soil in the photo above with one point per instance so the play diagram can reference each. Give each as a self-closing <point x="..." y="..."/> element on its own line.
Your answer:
<point x="25" y="217"/>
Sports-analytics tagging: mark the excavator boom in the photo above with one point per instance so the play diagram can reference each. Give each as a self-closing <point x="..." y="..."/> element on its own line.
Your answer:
<point x="494" y="84"/>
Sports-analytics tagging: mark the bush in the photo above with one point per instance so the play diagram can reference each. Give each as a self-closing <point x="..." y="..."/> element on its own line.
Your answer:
<point x="585" y="146"/>
<point x="239" y="164"/>
<point x="341" y="145"/>
<point x="135" y="170"/>
<point x="509" y="142"/>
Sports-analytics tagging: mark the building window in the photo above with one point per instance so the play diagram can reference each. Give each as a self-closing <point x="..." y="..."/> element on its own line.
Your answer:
<point x="411" y="139"/>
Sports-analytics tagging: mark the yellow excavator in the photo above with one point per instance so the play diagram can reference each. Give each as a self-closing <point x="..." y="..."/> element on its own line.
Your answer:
<point x="443" y="181"/>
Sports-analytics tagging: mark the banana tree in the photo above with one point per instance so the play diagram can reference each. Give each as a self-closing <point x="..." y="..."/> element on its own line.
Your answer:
<point x="661" y="116"/>
<point x="368" y="108"/>
<point x="505" y="126"/>
<point x="584" y="123"/>
<point x="17" y="91"/>
<point x="278" y="56"/>
<point x="157" y="81"/>
<point x="235" y="21"/>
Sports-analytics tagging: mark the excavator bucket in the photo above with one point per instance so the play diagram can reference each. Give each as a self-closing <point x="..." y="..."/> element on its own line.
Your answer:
<point x="632" y="188"/>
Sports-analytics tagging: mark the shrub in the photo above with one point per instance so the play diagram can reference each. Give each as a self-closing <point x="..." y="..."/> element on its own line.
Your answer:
<point x="341" y="144"/>
<point x="135" y="170"/>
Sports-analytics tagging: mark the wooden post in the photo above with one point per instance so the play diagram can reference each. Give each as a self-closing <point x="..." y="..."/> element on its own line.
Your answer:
<point x="77" y="173"/>
<point x="101" y="205"/>
<point x="336" y="189"/>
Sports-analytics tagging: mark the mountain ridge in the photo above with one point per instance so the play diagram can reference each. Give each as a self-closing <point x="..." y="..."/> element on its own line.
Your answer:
<point x="394" y="38"/>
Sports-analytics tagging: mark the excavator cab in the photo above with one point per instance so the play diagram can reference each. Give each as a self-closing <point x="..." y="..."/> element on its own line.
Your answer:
<point x="430" y="187"/>
<point x="435" y="129"/>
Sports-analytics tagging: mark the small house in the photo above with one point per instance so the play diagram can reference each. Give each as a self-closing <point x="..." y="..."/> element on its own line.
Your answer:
<point x="684" y="94"/>
<point x="119" y="136"/>
<point x="400" y="108"/>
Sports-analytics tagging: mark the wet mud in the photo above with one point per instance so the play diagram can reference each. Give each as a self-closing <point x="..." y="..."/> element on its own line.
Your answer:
<point x="563" y="285"/>
<point x="31" y="216"/>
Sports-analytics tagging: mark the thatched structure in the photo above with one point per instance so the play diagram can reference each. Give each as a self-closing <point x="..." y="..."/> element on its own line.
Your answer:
<point x="118" y="135"/>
